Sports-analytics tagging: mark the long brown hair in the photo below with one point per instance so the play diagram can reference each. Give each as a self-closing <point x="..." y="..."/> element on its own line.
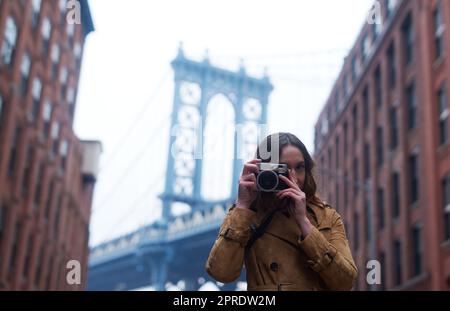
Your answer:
<point x="281" y="140"/>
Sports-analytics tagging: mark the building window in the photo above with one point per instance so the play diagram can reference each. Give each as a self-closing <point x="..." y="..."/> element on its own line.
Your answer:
<point x="390" y="6"/>
<point x="36" y="4"/>
<point x="37" y="91"/>
<point x="77" y="50"/>
<point x="24" y="73"/>
<point x="55" y="130"/>
<point x="70" y="95"/>
<point x="392" y="64"/>
<point x="63" y="151"/>
<point x="443" y="114"/>
<point x="395" y="195"/>
<point x="57" y="215"/>
<point x="356" y="231"/>
<point x="345" y="137"/>
<point x="9" y="41"/>
<point x="446" y="206"/>
<point x="49" y="199"/>
<point x="380" y="202"/>
<point x="365" y="46"/>
<point x="70" y="29"/>
<point x="413" y="178"/>
<point x="366" y="161"/>
<point x="330" y="164"/>
<point x="29" y="249"/>
<point x="380" y="148"/>
<point x="47" y="114"/>
<point x="439" y="29"/>
<point x="337" y="153"/>
<point x="355" y="177"/>
<point x="329" y="115"/>
<point x="376" y="29"/>
<point x="14" y="248"/>
<point x="38" y="193"/>
<point x="63" y="75"/>
<point x="322" y="177"/>
<point x="394" y="127"/>
<point x="55" y="59"/>
<point x="411" y="105"/>
<point x="46" y="31"/>
<point x="345" y="190"/>
<point x="397" y="262"/>
<point x="337" y="197"/>
<point x="366" y="107"/>
<point x="417" y="250"/>
<point x="355" y="122"/>
<point x="13" y="152"/>
<point x="70" y="32"/>
<point x="368" y="218"/>
<point x="27" y="171"/>
<point x="408" y="40"/>
<point x="63" y="10"/>
<point x="55" y="136"/>
<point x="346" y="86"/>
<point x="39" y="266"/>
<point x="378" y="88"/>
<point x="355" y="72"/>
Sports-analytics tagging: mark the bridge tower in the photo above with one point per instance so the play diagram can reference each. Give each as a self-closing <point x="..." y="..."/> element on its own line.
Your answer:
<point x="196" y="83"/>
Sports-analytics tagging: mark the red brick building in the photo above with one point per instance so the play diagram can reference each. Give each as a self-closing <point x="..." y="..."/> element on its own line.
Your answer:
<point x="47" y="174"/>
<point x="382" y="146"/>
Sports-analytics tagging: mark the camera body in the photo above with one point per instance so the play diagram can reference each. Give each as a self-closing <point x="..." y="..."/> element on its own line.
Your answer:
<point x="267" y="179"/>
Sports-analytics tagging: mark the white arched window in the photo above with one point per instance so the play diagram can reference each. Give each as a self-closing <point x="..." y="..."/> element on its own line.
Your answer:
<point x="9" y="41"/>
<point x="218" y="149"/>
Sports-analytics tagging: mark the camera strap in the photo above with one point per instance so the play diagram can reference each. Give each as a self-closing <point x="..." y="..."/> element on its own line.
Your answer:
<point x="258" y="232"/>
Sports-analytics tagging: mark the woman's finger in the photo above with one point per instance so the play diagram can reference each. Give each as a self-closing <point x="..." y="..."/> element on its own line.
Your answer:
<point x="249" y="168"/>
<point x="249" y="177"/>
<point x="288" y="182"/>
<point x="281" y="196"/>
<point x="294" y="191"/>
<point x="291" y="195"/>
<point x="288" y="189"/>
<point x="248" y="184"/>
<point x="254" y="161"/>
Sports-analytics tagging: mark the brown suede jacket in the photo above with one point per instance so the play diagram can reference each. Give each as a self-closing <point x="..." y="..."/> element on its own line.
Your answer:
<point x="280" y="259"/>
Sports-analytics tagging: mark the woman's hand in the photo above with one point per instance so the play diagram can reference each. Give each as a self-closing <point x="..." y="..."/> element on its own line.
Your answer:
<point x="247" y="184"/>
<point x="297" y="205"/>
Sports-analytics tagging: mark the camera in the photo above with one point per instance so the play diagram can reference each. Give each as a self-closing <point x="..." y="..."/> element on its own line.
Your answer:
<point x="267" y="179"/>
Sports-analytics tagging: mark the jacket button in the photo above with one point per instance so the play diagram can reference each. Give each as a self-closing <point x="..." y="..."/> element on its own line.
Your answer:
<point x="274" y="266"/>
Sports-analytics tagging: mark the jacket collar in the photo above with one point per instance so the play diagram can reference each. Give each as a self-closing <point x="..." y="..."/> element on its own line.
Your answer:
<point x="318" y="213"/>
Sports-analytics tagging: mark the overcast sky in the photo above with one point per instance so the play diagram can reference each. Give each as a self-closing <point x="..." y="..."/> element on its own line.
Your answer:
<point x="126" y="85"/>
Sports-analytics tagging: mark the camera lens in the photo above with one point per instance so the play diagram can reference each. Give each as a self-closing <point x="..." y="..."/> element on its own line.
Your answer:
<point x="267" y="180"/>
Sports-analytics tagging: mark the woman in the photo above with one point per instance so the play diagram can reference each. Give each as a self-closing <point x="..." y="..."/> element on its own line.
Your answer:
<point x="287" y="240"/>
